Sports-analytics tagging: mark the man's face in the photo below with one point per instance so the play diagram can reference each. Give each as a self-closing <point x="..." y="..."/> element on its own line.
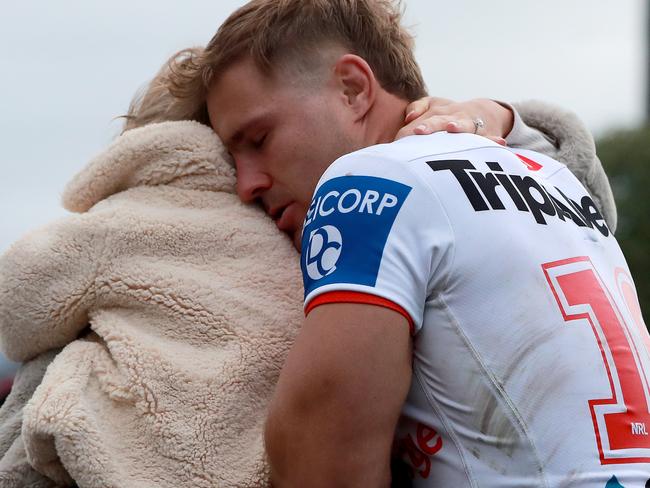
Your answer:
<point x="283" y="133"/>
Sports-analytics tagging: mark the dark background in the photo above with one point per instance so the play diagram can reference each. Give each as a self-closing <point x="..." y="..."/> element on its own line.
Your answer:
<point x="626" y="158"/>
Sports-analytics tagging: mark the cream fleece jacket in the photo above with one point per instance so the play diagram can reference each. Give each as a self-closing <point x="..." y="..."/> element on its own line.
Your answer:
<point x="174" y="305"/>
<point x="193" y="300"/>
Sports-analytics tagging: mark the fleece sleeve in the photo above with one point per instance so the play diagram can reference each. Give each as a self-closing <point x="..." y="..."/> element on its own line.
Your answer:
<point x="46" y="285"/>
<point x="573" y="146"/>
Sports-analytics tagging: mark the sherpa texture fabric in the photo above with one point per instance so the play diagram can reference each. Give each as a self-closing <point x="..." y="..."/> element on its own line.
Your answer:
<point x="15" y="470"/>
<point x="575" y="148"/>
<point x="193" y="300"/>
<point x="174" y="305"/>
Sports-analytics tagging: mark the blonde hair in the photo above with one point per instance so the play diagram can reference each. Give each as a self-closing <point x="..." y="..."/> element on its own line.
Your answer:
<point x="274" y="32"/>
<point x="157" y="101"/>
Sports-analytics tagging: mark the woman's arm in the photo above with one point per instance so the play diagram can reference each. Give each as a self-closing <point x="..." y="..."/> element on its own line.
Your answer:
<point x="46" y="285"/>
<point x="574" y="146"/>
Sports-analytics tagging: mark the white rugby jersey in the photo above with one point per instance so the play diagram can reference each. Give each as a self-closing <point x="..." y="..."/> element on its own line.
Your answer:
<point x="530" y="362"/>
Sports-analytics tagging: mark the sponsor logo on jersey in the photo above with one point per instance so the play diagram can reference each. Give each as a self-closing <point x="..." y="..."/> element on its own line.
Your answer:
<point x="417" y="448"/>
<point x="526" y="193"/>
<point x="323" y="252"/>
<point x="614" y="483"/>
<point x="346" y="229"/>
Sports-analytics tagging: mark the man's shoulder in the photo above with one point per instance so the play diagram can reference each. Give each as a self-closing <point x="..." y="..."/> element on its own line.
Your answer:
<point x="412" y="148"/>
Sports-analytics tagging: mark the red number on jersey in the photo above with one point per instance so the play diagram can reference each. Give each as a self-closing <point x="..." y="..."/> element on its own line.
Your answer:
<point x="621" y="422"/>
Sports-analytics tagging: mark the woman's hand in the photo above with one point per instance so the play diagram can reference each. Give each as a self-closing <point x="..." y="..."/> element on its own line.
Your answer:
<point x="432" y="114"/>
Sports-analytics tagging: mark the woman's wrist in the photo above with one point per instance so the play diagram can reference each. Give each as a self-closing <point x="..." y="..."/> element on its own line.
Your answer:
<point x="502" y="116"/>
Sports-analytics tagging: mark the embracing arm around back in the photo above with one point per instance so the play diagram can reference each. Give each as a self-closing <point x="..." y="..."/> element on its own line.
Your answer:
<point x="533" y="125"/>
<point x="332" y="419"/>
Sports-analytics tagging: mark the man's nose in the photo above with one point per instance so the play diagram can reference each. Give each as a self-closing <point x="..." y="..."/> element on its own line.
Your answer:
<point x="251" y="181"/>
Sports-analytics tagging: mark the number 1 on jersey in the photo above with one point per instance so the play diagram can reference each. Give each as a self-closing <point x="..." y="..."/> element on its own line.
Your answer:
<point x="621" y="422"/>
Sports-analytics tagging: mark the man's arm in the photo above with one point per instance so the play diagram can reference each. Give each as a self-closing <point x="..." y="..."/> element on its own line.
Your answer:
<point x="332" y="419"/>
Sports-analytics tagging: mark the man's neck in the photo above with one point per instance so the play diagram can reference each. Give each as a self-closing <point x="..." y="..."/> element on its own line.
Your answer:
<point x="386" y="118"/>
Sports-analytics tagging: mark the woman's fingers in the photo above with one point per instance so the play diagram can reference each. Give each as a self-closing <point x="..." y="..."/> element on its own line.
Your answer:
<point x="469" y="126"/>
<point x="415" y="109"/>
<point x="455" y="124"/>
<point x="423" y="125"/>
<point x="431" y="105"/>
<point x="498" y="140"/>
<point x="464" y="124"/>
<point x="480" y="116"/>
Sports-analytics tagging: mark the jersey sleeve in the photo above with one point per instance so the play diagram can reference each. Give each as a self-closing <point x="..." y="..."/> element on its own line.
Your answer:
<point x="374" y="233"/>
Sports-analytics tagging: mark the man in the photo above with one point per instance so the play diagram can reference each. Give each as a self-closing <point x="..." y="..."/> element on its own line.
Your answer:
<point x="471" y="296"/>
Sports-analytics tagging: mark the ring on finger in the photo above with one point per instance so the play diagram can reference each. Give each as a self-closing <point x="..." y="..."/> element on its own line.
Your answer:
<point x="478" y="124"/>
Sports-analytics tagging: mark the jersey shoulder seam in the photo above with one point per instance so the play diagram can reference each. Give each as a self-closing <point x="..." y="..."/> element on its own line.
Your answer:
<point x="433" y="155"/>
<point x="406" y="164"/>
<point x="439" y="202"/>
<point x="450" y="431"/>
<point x="497" y="385"/>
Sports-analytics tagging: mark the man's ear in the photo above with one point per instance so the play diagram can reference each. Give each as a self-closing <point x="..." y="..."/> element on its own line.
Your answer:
<point x="356" y="82"/>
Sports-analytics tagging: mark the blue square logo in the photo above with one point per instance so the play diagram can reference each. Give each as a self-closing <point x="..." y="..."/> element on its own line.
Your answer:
<point x="346" y="229"/>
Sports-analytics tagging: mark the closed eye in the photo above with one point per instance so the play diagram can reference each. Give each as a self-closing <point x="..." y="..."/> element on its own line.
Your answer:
<point x="258" y="142"/>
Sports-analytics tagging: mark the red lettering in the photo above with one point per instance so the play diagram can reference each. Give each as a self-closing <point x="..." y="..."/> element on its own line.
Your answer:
<point x="429" y="441"/>
<point x="419" y="452"/>
<point x="419" y="460"/>
<point x="577" y="282"/>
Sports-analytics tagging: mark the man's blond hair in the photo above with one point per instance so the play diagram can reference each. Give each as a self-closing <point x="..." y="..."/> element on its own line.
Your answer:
<point x="277" y="33"/>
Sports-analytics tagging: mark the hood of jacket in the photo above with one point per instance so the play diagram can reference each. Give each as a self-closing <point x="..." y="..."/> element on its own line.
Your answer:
<point x="181" y="153"/>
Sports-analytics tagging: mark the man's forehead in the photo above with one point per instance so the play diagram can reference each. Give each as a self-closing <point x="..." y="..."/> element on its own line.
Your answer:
<point x="234" y="98"/>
